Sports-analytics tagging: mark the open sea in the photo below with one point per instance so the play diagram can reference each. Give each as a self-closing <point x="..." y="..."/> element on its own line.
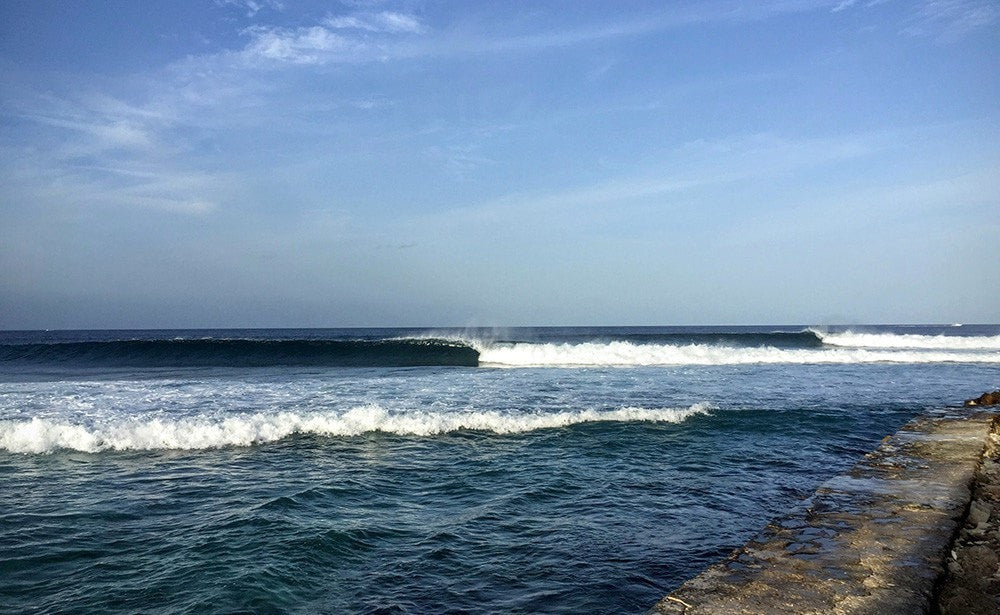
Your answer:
<point x="527" y="470"/>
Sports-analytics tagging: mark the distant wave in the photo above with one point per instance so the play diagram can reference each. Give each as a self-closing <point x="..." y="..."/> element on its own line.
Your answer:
<point x="46" y="435"/>
<point x="636" y="349"/>
<point x="806" y="338"/>
<point x="897" y="341"/>
<point x="244" y="353"/>
<point x="628" y="353"/>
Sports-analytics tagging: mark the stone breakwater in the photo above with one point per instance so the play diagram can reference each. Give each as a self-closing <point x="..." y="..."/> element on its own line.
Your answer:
<point x="876" y="539"/>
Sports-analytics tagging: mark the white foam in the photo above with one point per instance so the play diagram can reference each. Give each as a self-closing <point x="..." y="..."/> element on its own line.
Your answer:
<point x="622" y="353"/>
<point x="46" y="435"/>
<point x="909" y="341"/>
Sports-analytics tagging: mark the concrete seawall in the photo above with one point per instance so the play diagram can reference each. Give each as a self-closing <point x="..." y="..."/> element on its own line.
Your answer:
<point x="873" y="540"/>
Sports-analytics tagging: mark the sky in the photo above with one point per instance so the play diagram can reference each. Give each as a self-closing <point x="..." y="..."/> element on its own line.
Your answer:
<point x="256" y="163"/>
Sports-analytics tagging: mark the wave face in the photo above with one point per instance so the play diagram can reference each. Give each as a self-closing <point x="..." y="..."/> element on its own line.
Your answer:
<point x="40" y="435"/>
<point x="244" y="353"/>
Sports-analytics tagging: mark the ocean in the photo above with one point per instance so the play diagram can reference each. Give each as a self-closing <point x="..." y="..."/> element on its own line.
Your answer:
<point x="521" y="470"/>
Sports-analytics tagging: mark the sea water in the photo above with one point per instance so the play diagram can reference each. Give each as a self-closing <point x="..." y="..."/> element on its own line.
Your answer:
<point x="556" y="470"/>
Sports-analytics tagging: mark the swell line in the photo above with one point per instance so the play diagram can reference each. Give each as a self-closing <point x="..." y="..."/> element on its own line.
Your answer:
<point x="245" y="353"/>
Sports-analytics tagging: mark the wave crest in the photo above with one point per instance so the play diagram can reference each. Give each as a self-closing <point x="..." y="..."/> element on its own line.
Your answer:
<point x="44" y="436"/>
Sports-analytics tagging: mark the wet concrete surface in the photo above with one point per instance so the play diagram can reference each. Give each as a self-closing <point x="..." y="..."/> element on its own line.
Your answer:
<point x="874" y="540"/>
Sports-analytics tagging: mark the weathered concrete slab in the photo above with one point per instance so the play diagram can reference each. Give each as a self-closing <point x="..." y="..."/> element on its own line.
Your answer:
<point x="873" y="540"/>
<point x="972" y="583"/>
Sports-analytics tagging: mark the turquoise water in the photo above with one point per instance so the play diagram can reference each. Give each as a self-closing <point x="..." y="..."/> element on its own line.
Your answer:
<point x="569" y="470"/>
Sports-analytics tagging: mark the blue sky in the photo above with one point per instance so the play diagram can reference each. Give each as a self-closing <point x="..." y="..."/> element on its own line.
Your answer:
<point x="263" y="163"/>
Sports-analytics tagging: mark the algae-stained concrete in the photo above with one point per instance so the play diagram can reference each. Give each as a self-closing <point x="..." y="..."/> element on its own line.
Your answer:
<point x="873" y="540"/>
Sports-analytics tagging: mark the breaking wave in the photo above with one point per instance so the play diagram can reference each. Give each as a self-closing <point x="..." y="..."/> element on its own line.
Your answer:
<point x="628" y="353"/>
<point x="46" y="435"/>
<point x="899" y="341"/>
<point x="807" y="346"/>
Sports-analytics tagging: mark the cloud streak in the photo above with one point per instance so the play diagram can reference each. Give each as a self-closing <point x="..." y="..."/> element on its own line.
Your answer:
<point x="695" y="165"/>
<point x="946" y="21"/>
<point x="252" y="7"/>
<point x="950" y="20"/>
<point x="388" y="35"/>
<point x="386" y="21"/>
<point x="95" y="151"/>
<point x="359" y="37"/>
<point x="312" y="45"/>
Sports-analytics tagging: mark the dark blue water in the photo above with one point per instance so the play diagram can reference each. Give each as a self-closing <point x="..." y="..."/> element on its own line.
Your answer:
<point x="378" y="471"/>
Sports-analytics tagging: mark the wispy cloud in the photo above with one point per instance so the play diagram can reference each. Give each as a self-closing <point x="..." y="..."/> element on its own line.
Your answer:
<point x="895" y="205"/>
<point x="53" y="184"/>
<point x="357" y="37"/>
<point x="459" y="160"/>
<point x="312" y="45"/>
<point x="724" y="11"/>
<point x="97" y="151"/>
<point x="386" y="21"/>
<point x="943" y="20"/>
<point x="115" y="134"/>
<point x="252" y="7"/>
<point x="950" y="20"/>
<point x="845" y="4"/>
<point x="370" y="36"/>
<point x="693" y="165"/>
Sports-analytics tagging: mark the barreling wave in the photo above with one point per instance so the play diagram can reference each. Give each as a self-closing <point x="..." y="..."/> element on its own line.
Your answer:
<point x="851" y="339"/>
<point x="244" y="353"/>
<point x="628" y="353"/>
<point x="632" y="349"/>
<point x="45" y="435"/>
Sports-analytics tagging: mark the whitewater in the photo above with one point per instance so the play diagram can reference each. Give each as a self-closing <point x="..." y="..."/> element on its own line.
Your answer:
<point x="39" y="435"/>
<point x="904" y="341"/>
<point x="623" y="353"/>
<point x="841" y="347"/>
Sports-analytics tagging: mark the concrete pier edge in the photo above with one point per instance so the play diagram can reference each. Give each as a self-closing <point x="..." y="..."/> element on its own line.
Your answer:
<point x="875" y="539"/>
